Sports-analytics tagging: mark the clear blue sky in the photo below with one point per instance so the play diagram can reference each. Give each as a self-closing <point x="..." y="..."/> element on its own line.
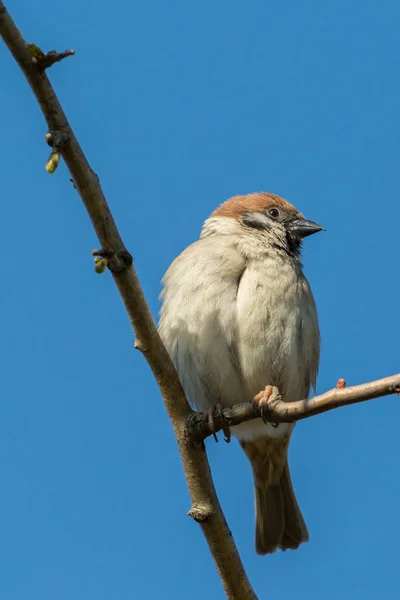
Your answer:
<point x="180" y="105"/>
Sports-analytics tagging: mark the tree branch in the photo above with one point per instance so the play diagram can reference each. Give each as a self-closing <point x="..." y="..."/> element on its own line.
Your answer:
<point x="277" y="411"/>
<point x="205" y="505"/>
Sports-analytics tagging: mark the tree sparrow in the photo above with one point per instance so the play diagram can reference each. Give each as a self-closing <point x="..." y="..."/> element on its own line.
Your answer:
<point x="237" y="313"/>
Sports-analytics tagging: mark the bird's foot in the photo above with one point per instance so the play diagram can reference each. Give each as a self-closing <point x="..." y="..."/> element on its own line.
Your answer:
<point x="263" y="399"/>
<point x="209" y="415"/>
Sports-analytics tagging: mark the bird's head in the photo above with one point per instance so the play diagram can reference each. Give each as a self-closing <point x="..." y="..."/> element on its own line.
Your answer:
<point x="264" y="217"/>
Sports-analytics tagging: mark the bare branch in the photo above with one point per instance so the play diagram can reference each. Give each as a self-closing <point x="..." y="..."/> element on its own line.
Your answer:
<point x="277" y="411"/>
<point x="205" y="505"/>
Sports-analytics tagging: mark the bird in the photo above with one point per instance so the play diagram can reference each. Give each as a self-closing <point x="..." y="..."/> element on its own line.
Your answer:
<point x="238" y="316"/>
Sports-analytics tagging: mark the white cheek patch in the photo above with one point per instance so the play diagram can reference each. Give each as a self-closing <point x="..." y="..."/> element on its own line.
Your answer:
<point x="258" y="220"/>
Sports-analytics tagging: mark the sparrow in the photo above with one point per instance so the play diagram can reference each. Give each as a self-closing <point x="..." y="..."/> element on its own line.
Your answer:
<point x="238" y="315"/>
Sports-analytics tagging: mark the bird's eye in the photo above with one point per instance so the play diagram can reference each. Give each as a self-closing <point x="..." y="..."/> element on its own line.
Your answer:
<point x="274" y="213"/>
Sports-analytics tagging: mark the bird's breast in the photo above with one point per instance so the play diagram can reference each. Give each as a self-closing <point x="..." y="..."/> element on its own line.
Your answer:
<point x="276" y="329"/>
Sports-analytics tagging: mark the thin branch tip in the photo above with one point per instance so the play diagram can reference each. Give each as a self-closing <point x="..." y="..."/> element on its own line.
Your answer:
<point x="102" y="252"/>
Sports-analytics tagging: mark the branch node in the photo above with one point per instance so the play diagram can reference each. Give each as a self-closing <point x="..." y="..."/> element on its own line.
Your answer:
<point x="56" y="139"/>
<point x="117" y="261"/>
<point x="201" y="513"/>
<point x="46" y="60"/>
<point x="138" y="345"/>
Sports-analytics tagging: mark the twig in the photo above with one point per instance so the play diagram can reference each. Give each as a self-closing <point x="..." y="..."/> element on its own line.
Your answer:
<point x="45" y="61"/>
<point x="288" y="412"/>
<point x="205" y="505"/>
<point x="52" y="57"/>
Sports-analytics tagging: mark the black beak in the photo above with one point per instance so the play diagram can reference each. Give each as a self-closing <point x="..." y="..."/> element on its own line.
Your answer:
<point x="302" y="228"/>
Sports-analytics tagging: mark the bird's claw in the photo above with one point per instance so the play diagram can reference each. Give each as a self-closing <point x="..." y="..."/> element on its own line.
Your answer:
<point x="208" y="417"/>
<point x="227" y="434"/>
<point x="263" y="399"/>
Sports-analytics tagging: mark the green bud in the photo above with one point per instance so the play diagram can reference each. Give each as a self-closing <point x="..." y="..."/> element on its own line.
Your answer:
<point x="53" y="162"/>
<point x="100" y="264"/>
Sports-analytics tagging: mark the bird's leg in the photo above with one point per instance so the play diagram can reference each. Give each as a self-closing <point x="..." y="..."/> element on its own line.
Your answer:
<point x="262" y="400"/>
<point x="208" y="416"/>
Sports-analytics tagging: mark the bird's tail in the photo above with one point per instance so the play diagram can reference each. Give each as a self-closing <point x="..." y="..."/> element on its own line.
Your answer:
<point x="279" y="522"/>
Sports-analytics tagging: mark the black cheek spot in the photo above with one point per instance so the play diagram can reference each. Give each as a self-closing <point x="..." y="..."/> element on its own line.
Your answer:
<point x="293" y="244"/>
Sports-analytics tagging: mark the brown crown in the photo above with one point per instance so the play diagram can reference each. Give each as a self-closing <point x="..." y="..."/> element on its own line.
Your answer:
<point x="258" y="202"/>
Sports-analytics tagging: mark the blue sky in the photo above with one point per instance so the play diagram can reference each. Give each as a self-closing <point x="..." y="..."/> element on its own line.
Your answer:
<point x="178" y="106"/>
